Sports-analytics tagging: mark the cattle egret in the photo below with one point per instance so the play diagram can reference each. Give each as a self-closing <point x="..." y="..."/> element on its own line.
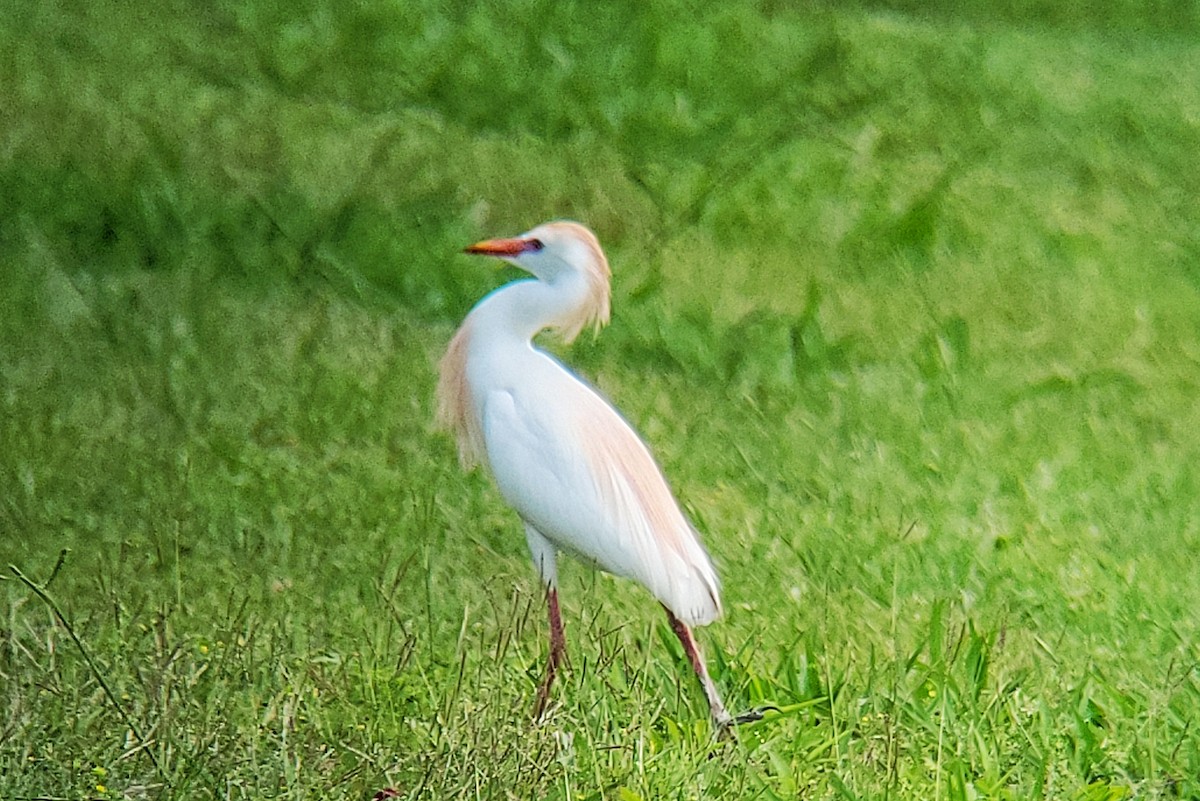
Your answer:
<point x="567" y="461"/>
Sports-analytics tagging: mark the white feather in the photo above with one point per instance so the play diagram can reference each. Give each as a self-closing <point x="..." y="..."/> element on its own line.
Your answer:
<point x="576" y="472"/>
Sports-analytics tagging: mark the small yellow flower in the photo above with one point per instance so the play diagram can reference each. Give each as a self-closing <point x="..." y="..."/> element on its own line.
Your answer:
<point x="100" y="788"/>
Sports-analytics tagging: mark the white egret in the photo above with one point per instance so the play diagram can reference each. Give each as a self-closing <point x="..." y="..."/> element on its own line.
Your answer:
<point x="561" y="455"/>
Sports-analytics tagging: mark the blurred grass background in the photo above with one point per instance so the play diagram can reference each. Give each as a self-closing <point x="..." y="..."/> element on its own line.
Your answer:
<point x="907" y="300"/>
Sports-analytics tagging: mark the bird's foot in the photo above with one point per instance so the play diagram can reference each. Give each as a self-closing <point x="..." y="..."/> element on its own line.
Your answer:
<point x="725" y="722"/>
<point x="542" y="706"/>
<point x="539" y="708"/>
<point x="754" y="715"/>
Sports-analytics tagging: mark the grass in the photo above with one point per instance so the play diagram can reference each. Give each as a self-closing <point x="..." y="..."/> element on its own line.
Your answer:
<point x="905" y="302"/>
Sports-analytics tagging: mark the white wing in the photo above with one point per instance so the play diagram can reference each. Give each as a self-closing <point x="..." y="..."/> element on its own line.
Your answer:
<point x="575" y="470"/>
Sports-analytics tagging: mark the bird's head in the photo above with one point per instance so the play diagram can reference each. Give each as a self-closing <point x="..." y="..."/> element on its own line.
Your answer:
<point x="549" y="250"/>
<point x="557" y="250"/>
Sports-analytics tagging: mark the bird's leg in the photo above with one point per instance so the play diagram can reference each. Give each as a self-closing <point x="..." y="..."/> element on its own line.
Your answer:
<point x="558" y="650"/>
<point x="720" y="715"/>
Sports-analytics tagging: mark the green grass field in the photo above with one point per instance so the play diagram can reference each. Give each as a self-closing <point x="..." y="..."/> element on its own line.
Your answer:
<point x="906" y="301"/>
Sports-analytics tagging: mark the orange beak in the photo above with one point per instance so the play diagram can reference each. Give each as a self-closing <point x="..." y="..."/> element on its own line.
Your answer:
<point x="501" y="247"/>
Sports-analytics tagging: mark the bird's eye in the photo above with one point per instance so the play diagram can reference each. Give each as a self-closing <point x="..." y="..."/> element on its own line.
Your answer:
<point x="533" y="245"/>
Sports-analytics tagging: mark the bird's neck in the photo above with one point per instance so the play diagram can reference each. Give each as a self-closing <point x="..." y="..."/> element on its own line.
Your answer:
<point x="522" y="309"/>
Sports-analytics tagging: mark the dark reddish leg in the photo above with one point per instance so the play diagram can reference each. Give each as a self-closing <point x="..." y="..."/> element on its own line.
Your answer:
<point x="558" y="650"/>
<point x="720" y="716"/>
